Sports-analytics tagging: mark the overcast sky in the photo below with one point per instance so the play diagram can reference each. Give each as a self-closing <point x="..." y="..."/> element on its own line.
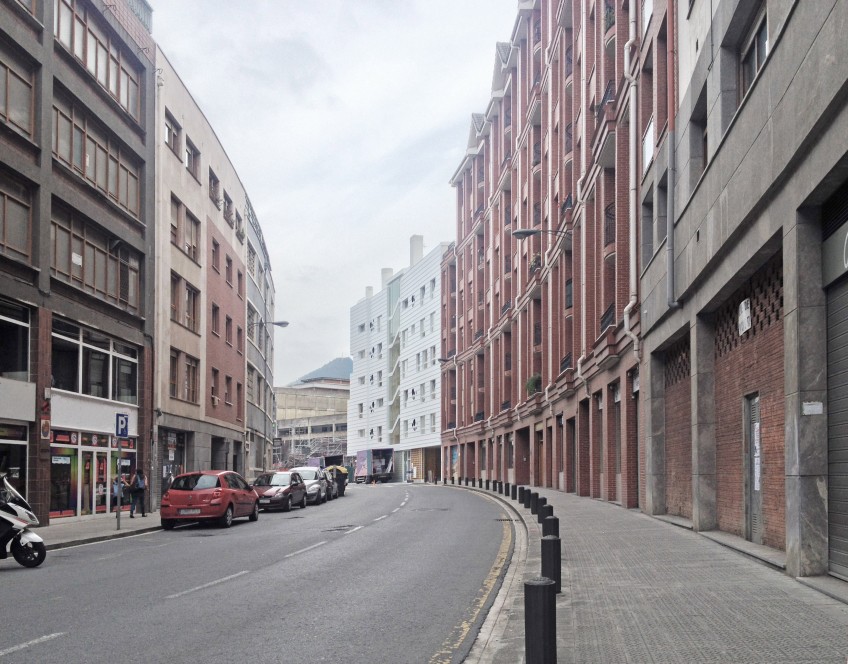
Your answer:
<point x="345" y="120"/>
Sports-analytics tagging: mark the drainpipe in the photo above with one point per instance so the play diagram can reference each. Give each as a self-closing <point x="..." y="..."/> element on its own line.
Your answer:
<point x="580" y="183"/>
<point x="631" y="79"/>
<point x="673" y="303"/>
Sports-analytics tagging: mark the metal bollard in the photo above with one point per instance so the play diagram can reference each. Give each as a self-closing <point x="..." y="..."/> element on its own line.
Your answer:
<point x="506" y="489"/>
<point x="540" y="621"/>
<point x="520" y="491"/>
<point x="513" y="491"/>
<point x="487" y="485"/>
<point x="550" y="525"/>
<point x="534" y="502"/>
<point x="500" y="487"/>
<point x="540" y="501"/>
<point x="479" y="482"/>
<point x="527" y="494"/>
<point x="452" y="478"/>
<point x="545" y="511"/>
<point x="552" y="560"/>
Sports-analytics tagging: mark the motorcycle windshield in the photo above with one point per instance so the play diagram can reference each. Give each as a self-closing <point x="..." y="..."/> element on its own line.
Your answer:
<point x="8" y="494"/>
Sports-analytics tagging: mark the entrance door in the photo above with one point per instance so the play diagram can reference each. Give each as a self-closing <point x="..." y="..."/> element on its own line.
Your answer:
<point x="616" y="440"/>
<point x="86" y="482"/>
<point x="837" y="428"/>
<point x="755" y="471"/>
<point x="101" y="483"/>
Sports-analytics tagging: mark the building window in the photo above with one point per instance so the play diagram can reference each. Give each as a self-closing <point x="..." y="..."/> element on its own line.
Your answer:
<point x="251" y="260"/>
<point x="93" y="261"/>
<point x="192" y="301"/>
<point x="228" y="209"/>
<point x="239" y="339"/>
<point x="91" y="363"/>
<point x="99" y="159"/>
<point x="76" y="28"/>
<point x="240" y="287"/>
<point x="172" y="134"/>
<point x="216" y="256"/>
<point x="228" y="390"/>
<point x="239" y="402"/>
<point x="15" y="218"/>
<point x="176" y="290"/>
<point x="216" y="322"/>
<point x="214" y="387"/>
<point x="228" y="274"/>
<point x="192" y="236"/>
<point x="239" y="228"/>
<point x="16" y="94"/>
<point x="190" y="380"/>
<point x="14" y="340"/>
<point x="173" y="373"/>
<point x="251" y="325"/>
<point x="228" y="330"/>
<point x="192" y="159"/>
<point x="753" y="53"/>
<point x="214" y="189"/>
<point x="251" y="376"/>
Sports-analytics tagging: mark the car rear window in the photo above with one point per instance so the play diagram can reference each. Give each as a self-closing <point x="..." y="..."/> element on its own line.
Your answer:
<point x="309" y="474"/>
<point x="196" y="482"/>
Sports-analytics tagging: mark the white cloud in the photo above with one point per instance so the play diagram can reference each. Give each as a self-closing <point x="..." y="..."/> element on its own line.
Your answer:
<point x="345" y="120"/>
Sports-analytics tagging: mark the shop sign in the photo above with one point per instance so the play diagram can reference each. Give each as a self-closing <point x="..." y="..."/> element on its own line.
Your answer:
<point x="64" y="437"/>
<point x="14" y="431"/>
<point x="61" y="461"/>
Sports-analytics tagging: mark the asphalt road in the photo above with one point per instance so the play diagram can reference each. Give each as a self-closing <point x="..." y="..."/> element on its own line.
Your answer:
<point x="388" y="573"/>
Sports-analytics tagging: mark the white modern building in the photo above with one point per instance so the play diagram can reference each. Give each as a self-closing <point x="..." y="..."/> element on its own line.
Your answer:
<point x="395" y="383"/>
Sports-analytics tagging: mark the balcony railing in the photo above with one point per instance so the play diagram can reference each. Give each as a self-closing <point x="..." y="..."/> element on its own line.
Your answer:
<point x="608" y="317"/>
<point x="478" y="416"/>
<point x="569" y="61"/>
<point x="451" y="425"/>
<point x="506" y="405"/>
<point x="537" y="31"/>
<point x="478" y="335"/>
<point x="537" y="214"/>
<point x="608" y="98"/>
<point x="609" y="224"/>
<point x="569" y="139"/>
<point x="537" y="333"/>
<point x="506" y="306"/>
<point x="537" y="154"/>
<point x="565" y="363"/>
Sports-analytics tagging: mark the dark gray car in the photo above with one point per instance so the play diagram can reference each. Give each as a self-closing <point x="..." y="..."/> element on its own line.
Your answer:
<point x="316" y="483"/>
<point x="280" y="490"/>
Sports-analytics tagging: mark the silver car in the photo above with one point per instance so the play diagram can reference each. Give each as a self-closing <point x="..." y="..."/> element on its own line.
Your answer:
<point x="316" y="483"/>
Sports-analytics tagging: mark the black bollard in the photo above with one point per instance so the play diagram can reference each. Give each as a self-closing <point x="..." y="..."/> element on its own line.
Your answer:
<point x="540" y="621"/>
<point x="500" y="487"/>
<point x="521" y="495"/>
<point x="545" y="511"/>
<point x="506" y="489"/>
<point x="552" y="560"/>
<point x="541" y="501"/>
<point x="527" y="494"/>
<point x="487" y="485"/>
<point x="514" y="491"/>
<point x="534" y="502"/>
<point x="550" y="526"/>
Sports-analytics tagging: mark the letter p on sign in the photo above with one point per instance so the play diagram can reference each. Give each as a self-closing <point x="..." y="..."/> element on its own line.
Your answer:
<point x="122" y="425"/>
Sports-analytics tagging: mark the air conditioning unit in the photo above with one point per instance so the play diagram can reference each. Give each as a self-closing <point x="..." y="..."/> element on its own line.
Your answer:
<point x="215" y="400"/>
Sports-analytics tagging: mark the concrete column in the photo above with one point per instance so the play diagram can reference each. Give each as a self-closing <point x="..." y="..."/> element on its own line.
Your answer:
<point x="655" y="436"/>
<point x="702" y="345"/>
<point x="805" y="379"/>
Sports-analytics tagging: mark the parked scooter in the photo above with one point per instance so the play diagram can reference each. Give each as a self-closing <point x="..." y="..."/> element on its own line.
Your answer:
<point x="16" y="518"/>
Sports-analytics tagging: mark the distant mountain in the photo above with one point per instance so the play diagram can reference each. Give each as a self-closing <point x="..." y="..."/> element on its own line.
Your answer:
<point x="339" y="368"/>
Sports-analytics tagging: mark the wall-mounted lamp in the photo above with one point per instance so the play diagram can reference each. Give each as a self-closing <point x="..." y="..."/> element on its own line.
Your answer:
<point x="278" y="323"/>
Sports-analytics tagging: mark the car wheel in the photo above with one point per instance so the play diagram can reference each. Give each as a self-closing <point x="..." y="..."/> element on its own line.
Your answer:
<point x="303" y="501"/>
<point x="287" y="504"/>
<point x="324" y="499"/>
<point x="167" y="524"/>
<point x="227" y="519"/>
<point x="254" y="515"/>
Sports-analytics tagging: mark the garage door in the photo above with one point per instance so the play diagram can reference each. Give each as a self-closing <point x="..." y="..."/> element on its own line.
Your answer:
<point x="837" y="426"/>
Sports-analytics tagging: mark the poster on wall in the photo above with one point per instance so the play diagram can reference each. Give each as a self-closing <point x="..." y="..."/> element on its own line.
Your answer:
<point x="45" y="428"/>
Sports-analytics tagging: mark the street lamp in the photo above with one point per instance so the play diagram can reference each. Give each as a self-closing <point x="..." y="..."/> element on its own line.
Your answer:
<point x="278" y="323"/>
<point x="522" y="233"/>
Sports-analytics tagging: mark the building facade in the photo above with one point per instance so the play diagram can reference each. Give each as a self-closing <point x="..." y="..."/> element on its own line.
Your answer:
<point x="77" y="127"/>
<point x="670" y="338"/>
<point x="200" y="337"/>
<point x="311" y="421"/>
<point x="396" y="381"/>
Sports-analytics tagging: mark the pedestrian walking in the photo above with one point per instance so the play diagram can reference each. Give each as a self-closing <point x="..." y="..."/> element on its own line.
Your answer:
<point x="118" y="486"/>
<point x="138" y="485"/>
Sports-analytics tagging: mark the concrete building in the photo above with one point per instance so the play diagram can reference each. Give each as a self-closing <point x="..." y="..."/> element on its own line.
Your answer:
<point x="200" y="264"/>
<point x="395" y="383"/>
<point x="76" y="249"/>
<point x="311" y="420"/>
<point x="671" y="338"/>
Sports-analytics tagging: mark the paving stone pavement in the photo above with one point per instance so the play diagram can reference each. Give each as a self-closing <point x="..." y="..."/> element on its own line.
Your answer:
<point x="640" y="589"/>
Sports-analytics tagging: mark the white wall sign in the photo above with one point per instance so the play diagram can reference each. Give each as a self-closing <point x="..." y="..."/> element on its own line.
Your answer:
<point x="744" y="316"/>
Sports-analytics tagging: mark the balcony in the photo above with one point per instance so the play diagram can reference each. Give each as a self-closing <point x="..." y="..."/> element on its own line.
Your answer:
<point x="565" y="363"/>
<point x="609" y="15"/>
<point x="569" y="61"/>
<point x="569" y="139"/>
<point x="506" y="405"/>
<point x="537" y="154"/>
<point x="478" y="335"/>
<point x="537" y="214"/>
<point x="478" y="416"/>
<point x="506" y="307"/>
<point x="608" y="98"/>
<point x="537" y="333"/>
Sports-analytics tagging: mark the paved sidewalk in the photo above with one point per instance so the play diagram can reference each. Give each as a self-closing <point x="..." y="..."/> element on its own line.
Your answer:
<point x="639" y="589"/>
<point x="62" y="533"/>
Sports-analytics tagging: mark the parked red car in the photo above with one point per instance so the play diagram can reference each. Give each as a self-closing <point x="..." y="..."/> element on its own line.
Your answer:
<point x="206" y="495"/>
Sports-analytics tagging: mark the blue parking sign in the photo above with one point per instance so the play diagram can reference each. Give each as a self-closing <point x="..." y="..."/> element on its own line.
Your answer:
<point x="122" y="425"/>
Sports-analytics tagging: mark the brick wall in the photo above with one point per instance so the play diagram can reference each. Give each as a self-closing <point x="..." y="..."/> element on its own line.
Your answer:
<point x="678" y="432"/>
<point x="745" y="365"/>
